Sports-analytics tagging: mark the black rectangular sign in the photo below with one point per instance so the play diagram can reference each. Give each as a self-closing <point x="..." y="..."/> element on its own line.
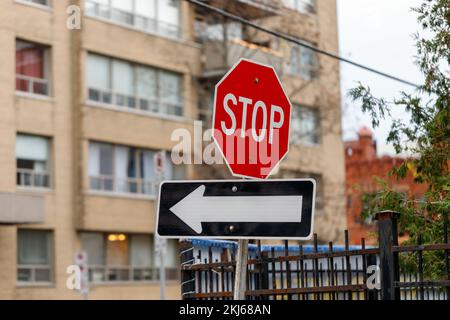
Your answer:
<point x="236" y="209"/>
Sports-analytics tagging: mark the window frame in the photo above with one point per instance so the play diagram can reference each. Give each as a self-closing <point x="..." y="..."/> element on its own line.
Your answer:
<point x="158" y="106"/>
<point x="301" y="138"/>
<point x="298" y="69"/>
<point x="31" y="3"/>
<point x="47" y="70"/>
<point x="50" y="266"/>
<point x="142" y="183"/>
<point x="49" y="164"/>
<point x="300" y="4"/>
<point x="129" y="269"/>
<point x="134" y="15"/>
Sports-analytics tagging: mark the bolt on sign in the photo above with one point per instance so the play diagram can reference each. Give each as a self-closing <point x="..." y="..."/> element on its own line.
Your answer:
<point x="251" y="119"/>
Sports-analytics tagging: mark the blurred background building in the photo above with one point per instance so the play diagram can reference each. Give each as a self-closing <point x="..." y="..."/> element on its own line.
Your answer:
<point x="363" y="166"/>
<point x="83" y="113"/>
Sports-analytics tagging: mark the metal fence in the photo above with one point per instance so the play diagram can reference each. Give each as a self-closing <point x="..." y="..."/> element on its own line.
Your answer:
<point x="321" y="272"/>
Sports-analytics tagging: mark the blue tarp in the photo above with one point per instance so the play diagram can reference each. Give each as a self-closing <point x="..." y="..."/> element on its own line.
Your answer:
<point x="206" y="243"/>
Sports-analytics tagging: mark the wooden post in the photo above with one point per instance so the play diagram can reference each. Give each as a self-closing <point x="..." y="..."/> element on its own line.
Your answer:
<point x="240" y="279"/>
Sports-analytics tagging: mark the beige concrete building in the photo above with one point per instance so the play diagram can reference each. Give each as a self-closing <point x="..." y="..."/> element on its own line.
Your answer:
<point x="84" y="112"/>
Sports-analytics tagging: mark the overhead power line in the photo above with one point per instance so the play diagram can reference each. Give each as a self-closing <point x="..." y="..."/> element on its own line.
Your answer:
<point x="296" y="41"/>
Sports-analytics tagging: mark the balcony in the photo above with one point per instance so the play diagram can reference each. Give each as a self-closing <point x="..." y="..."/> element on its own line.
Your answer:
<point x="249" y="9"/>
<point x="111" y="274"/>
<point x="32" y="85"/>
<point x="113" y="184"/>
<point x="220" y="57"/>
<point x="129" y="103"/>
<point x="21" y="208"/>
<point x="33" y="179"/>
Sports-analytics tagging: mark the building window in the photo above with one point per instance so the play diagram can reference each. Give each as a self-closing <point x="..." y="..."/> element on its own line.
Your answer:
<point x="303" y="6"/>
<point x="155" y="16"/>
<point x="302" y="63"/>
<point x="124" y="169"/>
<point x="32" y="158"/>
<point x="305" y="126"/>
<point x="131" y="86"/>
<point x="34" y="256"/>
<point x="32" y="67"/>
<point x="126" y="257"/>
<point x="45" y="3"/>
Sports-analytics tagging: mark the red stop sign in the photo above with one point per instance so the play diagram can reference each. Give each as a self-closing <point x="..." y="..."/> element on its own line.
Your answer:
<point x="252" y="115"/>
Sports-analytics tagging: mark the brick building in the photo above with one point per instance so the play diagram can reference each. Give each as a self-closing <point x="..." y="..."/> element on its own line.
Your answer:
<point x="84" y="111"/>
<point x="361" y="166"/>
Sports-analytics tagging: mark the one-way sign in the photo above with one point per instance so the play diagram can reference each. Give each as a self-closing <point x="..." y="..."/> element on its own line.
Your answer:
<point x="236" y="209"/>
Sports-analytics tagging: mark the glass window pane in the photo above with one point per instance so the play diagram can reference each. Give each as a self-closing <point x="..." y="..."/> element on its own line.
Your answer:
<point x="98" y="72"/>
<point x="123" y="81"/>
<point x="122" y="11"/>
<point x="94" y="159"/>
<point x="117" y="252"/>
<point x="125" y="5"/>
<point x="30" y="59"/>
<point x="121" y="160"/>
<point x="170" y="86"/>
<point x="168" y="11"/>
<point x="33" y="247"/>
<point x="106" y="159"/>
<point x="305" y="125"/>
<point x="291" y="4"/>
<point x="148" y="168"/>
<point x="146" y="83"/>
<point x="32" y="148"/>
<point x="146" y="8"/>
<point x="141" y="251"/>
<point x="294" y="61"/>
<point x="171" y="257"/>
<point x="93" y="244"/>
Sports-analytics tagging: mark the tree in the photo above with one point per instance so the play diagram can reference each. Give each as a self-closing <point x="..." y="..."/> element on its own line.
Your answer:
<point x="426" y="136"/>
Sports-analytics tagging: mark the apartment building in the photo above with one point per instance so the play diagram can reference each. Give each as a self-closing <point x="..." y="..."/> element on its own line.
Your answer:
<point x="85" y="111"/>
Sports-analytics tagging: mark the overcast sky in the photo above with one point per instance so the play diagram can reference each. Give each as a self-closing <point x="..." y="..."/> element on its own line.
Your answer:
<point x="379" y="34"/>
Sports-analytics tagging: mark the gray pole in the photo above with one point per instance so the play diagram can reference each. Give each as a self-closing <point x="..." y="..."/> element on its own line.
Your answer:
<point x="240" y="279"/>
<point x="162" y="276"/>
<point x="160" y="243"/>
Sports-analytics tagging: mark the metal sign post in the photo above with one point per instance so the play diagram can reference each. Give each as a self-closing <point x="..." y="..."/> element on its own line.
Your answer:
<point x="160" y="243"/>
<point x="240" y="280"/>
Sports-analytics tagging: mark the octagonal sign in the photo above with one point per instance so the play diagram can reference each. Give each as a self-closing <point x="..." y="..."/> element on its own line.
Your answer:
<point x="251" y="121"/>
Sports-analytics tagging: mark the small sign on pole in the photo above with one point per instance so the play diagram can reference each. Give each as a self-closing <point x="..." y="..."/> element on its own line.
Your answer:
<point x="159" y="160"/>
<point x="81" y="260"/>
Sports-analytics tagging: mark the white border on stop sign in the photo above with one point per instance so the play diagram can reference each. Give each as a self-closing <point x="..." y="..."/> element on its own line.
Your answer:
<point x="214" y="119"/>
<point x="313" y="213"/>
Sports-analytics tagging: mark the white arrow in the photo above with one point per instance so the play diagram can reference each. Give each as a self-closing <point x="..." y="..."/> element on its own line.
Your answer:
<point x="195" y="209"/>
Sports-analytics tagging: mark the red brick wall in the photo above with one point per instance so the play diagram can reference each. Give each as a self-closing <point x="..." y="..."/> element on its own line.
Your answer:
<point x="362" y="165"/>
